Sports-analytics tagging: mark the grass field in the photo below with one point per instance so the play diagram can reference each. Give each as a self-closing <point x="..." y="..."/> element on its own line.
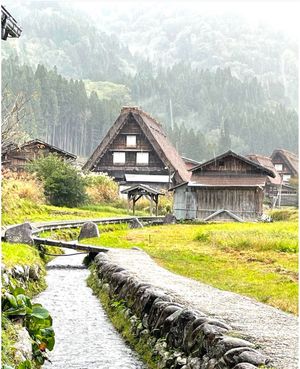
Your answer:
<point x="28" y="212"/>
<point x="259" y="260"/>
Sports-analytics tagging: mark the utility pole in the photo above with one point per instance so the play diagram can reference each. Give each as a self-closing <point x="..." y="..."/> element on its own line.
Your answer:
<point x="171" y="114"/>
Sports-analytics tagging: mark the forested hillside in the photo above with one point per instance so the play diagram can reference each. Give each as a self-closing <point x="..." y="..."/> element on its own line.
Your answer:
<point x="212" y="87"/>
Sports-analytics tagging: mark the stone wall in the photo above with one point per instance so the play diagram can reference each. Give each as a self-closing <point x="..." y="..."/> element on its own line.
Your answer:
<point x="179" y="337"/>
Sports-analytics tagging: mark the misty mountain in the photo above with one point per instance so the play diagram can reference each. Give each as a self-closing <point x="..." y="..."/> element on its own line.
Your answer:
<point x="209" y="80"/>
<point x="56" y="35"/>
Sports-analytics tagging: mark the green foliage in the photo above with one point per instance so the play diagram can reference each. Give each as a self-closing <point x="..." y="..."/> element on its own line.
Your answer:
<point x="63" y="185"/>
<point x="101" y="189"/>
<point x="36" y="319"/>
<point x="213" y="111"/>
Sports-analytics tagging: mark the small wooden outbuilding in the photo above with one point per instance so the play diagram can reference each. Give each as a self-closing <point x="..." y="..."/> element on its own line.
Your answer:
<point x="17" y="157"/>
<point x="227" y="187"/>
<point x="134" y="193"/>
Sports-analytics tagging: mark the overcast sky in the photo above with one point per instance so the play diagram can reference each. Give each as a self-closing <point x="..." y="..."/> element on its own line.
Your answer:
<point x="281" y="15"/>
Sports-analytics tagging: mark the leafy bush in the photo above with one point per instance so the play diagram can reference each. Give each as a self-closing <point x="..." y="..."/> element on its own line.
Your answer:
<point x="101" y="189"/>
<point x="36" y="319"/>
<point x="63" y="184"/>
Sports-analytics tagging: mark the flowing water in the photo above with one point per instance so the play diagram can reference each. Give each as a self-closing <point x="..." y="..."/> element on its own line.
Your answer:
<point x="85" y="338"/>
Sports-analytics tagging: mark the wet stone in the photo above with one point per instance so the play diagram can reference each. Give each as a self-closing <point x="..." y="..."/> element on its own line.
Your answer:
<point x="89" y="230"/>
<point x="245" y="354"/>
<point x="21" y="233"/>
<point x="135" y="223"/>
<point x="245" y="366"/>
<point x="34" y="272"/>
<point x="169" y="219"/>
<point x="221" y="345"/>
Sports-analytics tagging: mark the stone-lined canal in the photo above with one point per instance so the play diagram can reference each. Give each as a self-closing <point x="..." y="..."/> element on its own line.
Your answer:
<point x="85" y="338"/>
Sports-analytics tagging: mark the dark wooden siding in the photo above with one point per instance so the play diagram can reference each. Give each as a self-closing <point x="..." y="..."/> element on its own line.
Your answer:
<point x="246" y="203"/>
<point x="155" y="165"/>
<point x="228" y="165"/>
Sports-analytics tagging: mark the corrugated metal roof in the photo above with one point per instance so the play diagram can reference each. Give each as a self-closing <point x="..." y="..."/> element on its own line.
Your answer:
<point x="142" y="178"/>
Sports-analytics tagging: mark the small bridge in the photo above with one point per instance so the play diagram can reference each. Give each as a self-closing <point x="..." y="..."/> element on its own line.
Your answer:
<point x="25" y="233"/>
<point x="69" y="245"/>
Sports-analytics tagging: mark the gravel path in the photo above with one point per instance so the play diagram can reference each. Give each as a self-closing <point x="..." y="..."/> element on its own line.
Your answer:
<point x="274" y="331"/>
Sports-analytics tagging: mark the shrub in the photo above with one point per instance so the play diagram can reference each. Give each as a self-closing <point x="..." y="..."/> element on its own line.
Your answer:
<point x="20" y="188"/>
<point x="288" y="214"/>
<point x="63" y="184"/>
<point x="101" y="189"/>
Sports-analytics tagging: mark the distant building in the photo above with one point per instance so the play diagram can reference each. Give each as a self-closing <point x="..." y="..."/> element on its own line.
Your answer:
<point x="17" y="157"/>
<point x="277" y="191"/>
<point x="272" y="183"/>
<point x="9" y="26"/>
<point x="286" y="164"/>
<point x="189" y="163"/>
<point x="227" y="187"/>
<point x="136" y="151"/>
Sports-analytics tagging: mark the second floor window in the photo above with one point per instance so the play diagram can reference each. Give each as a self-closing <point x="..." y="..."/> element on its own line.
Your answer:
<point x="142" y="157"/>
<point x="119" y="157"/>
<point x="278" y="167"/>
<point x="131" y="141"/>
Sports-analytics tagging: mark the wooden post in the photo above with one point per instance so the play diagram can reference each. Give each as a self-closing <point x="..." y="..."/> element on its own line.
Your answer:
<point x="156" y="205"/>
<point x="133" y="205"/>
<point x="151" y="205"/>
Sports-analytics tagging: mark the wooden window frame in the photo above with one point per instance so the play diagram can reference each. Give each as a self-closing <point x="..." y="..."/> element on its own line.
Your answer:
<point x="119" y="162"/>
<point x="142" y="163"/>
<point x="128" y="144"/>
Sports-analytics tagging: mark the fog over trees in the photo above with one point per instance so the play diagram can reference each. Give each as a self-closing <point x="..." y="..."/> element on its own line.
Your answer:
<point x="215" y="83"/>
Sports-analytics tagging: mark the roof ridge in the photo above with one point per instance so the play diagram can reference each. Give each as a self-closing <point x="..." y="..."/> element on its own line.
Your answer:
<point x="137" y="109"/>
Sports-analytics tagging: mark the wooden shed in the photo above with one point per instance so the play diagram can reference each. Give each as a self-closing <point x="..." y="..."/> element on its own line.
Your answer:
<point x="227" y="187"/>
<point x="136" y="150"/>
<point x="16" y="157"/>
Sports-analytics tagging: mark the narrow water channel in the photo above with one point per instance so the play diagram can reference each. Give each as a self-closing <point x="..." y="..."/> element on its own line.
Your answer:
<point x="85" y="338"/>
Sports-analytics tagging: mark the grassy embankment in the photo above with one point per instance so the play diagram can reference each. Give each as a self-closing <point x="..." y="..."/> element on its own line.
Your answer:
<point x="258" y="260"/>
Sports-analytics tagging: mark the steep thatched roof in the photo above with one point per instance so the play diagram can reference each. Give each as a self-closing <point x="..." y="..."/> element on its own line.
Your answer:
<point x="267" y="163"/>
<point x="41" y="144"/>
<point x="291" y="158"/>
<point x="153" y="131"/>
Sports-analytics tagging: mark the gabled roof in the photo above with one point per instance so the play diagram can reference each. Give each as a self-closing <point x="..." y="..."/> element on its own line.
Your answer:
<point x="39" y="142"/>
<point x="261" y="168"/>
<point x="143" y="189"/>
<point x="153" y="130"/>
<point x="267" y="163"/>
<point x="188" y="160"/>
<point x="290" y="157"/>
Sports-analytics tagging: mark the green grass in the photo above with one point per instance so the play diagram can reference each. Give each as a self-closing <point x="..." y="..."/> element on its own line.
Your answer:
<point x="8" y="340"/>
<point x="13" y="254"/>
<point x="258" y="260"/>
<point x="26" y="211"/>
